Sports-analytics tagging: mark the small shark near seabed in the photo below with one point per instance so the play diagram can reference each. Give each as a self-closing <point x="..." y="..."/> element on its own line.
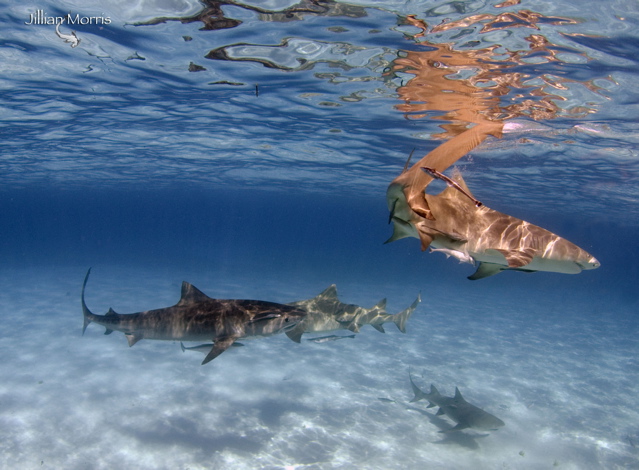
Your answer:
<point x="456" y="223"/>
<point x="459" y="410"/>
<point x="197" y="317"/>
<point x="326" y="313"/>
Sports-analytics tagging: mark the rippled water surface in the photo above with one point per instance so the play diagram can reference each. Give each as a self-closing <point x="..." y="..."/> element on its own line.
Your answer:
<point x="246" y="147"/>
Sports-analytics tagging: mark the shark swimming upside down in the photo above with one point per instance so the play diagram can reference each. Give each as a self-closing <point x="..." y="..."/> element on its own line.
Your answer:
<point x="457" y="224"/>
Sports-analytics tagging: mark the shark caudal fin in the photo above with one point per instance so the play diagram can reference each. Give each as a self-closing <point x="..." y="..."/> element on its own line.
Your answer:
<point x="402" y="317"/>
<point x="419" y="394"/>
<point x="85" y="310"/>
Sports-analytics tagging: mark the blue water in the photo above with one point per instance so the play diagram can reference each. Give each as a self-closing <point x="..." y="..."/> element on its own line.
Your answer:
<point x="252" y="160"/>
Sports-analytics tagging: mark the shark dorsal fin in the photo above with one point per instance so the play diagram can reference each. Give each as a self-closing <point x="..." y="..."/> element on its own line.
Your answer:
<point x="191" y="294"/>
<point x="381" y="305"/>
<point x="459" y="179"/>
<point x="461" y="193"/>
<point x="329" y="293"/>
<point x="458" y="395"/>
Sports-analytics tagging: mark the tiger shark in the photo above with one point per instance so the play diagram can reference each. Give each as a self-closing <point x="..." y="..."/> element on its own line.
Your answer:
<point x="464" y="414"/>
<point x="325" y="312"/>
<point x="456" y="223"/>
<point x="198" y="317"/>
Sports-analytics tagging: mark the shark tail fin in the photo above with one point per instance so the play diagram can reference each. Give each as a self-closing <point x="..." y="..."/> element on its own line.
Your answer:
<point x="402" y="317"/>
<point x="416" y="390"/>
<point x="85" y="310"/>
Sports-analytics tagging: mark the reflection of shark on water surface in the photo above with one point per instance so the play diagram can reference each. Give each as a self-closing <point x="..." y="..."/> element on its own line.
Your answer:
<point x="197" y="317"/>
<point x="71" y="38"/>
<point x="464" y="414"/>
<point x="325" y="313"/>
<point x="459" y="225"/>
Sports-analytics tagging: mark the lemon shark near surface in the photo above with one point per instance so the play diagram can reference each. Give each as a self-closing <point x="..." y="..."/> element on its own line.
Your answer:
<point x="197" y="317"/>
<point x="464" y="414"/>
<point x="457" y="224"/>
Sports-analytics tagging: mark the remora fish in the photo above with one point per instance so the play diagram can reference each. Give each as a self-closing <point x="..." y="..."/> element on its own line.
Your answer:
<point x="456" y="223"/>
<point x="464" y="414"/>
<point x="197" y="317"/>
<point x="204" y="348"/>
<point x="326" y="339"/>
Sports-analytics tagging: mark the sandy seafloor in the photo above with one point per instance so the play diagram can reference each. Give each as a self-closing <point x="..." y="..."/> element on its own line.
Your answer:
<point x="561" y="370"/>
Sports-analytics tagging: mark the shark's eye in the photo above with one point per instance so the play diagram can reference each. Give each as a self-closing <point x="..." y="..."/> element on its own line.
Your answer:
<point x="286" y="320"/>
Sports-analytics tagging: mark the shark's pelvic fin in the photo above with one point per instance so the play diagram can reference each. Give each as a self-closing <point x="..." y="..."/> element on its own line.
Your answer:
<point x="133" y="338"/>
<point x="426" y="239"/>
<point x="486" y="270"/>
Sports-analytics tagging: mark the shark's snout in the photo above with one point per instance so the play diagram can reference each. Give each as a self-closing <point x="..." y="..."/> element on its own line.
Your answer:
<point x="591" y="263"/>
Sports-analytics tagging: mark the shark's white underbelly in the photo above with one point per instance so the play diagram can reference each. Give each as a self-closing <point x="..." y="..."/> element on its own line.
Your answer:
<point x="495" y="257"/>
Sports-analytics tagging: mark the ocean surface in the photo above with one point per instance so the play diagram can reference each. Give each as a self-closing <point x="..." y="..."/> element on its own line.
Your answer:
<point x="246" y="147"/>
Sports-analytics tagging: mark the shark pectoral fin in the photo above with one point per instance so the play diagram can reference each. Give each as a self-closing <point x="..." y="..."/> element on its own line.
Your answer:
<point x="486" y="270"/>
<point x="439" y="412"/>
<point x="459" y="427"/>
<point x="133" y="338"/>
<point x="517" y="259"/>
<point x="401" y="229"/>
<point x="218" y="348"/>
<point x="296" y="333"/>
